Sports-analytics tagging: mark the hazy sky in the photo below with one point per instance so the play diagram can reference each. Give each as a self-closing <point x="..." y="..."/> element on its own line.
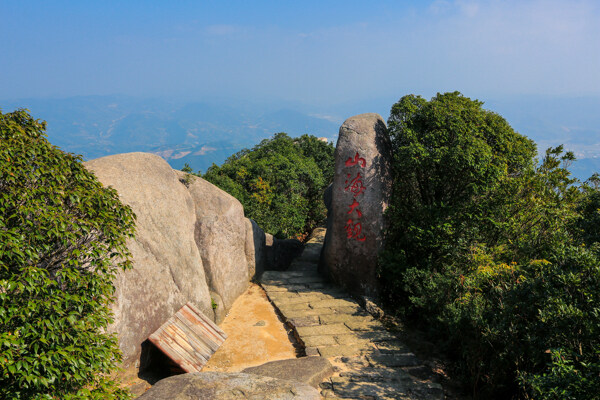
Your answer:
<point x="317" y="52"/>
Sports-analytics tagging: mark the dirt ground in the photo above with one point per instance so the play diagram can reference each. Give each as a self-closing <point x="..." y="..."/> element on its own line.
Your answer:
<point x="255" y="335"/>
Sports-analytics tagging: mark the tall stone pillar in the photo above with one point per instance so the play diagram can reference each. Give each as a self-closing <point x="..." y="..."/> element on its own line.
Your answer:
<point x="359" y="196"/>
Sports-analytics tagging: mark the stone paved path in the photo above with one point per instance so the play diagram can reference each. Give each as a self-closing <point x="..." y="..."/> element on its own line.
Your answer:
<point x="371" y="363"/>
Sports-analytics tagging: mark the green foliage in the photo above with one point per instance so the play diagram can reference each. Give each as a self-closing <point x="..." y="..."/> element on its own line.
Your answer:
<point x="189" y="175"/>
<point x="62" y="241"/>
<point x="187" y="169"/>
<point x="568" y="379"/>
<point x="494" y="255"/>
<point x="589" y="209"/>
<point x="279" y="182"/>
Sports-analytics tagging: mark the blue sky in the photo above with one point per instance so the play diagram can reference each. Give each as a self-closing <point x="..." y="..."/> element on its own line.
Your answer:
<point x="315" y="52"/>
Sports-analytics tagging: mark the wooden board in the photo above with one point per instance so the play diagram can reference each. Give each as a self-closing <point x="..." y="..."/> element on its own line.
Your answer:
<point x="188" y="338"/>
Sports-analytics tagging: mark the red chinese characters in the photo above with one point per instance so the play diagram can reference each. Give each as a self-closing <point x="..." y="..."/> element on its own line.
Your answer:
<point x="354" y="231"/>
<point x="353" y="207"/>
<point x="355" y="186"/>
<point x="357" y="160"/>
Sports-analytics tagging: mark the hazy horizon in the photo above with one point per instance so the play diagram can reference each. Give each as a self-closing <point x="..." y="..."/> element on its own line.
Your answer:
<point x="317" y="53"/>
<point x="534" y="62"/>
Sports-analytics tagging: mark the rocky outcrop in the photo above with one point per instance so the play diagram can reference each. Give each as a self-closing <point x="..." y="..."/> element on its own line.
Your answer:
<point x="310" y="370"/>
<point x="220" y="235"/>
<point x="192" y="244"/>
<point x="228" y="386"/>
<point x="255" y="249"/>
<point x="218" y="307"/>
<point x="167" y="267"/>
<point x="359" y="196"/>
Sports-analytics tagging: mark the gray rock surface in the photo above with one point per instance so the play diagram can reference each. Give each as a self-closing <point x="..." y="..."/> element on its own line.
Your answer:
<point x="255" y="249"/>
<point x="359" y="196"/>
<point x="219" y="310"/>
<point x="312" y="247"/>
<point x="168" y="269"/>
<point x="311" y="370"/>
<point x="281" y="252"/>
<point x="228" y="386"/>
<point x="221" y="238"/>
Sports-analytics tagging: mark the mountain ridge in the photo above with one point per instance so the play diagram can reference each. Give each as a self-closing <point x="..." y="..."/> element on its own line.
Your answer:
<point x="200" y="133"/>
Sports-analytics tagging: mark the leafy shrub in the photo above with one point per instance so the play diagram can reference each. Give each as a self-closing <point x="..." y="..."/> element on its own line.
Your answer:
<point x="280" y="182"/>
<point x="448" y="154"/>
<point x="61" y="234"/>
<point x="493" y="254"/>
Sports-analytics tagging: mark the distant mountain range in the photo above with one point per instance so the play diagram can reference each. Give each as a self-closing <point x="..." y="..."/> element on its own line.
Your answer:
<point x="203" y="133"/>
<point x="198" y="134"/>
<point x="551" y="121"/>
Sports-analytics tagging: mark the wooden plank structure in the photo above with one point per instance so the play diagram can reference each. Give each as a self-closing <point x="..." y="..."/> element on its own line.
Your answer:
<point x="188" y="338"/>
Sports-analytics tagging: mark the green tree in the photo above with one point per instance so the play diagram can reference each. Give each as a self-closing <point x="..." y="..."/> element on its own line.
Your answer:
<point x="62" y="241"/>
<point x="492" y="253"/>
<point x="448" y="153"/>
<point x="589" y="208"/>
<point x="279" y="182"/>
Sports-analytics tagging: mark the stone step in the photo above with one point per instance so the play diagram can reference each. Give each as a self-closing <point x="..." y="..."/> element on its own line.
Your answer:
<point x="372" y="362"/>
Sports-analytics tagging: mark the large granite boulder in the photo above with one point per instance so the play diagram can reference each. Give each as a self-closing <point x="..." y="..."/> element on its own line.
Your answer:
<point x="221" y="238"/>
<point x="228" y="386"/>
<point x="167" y="267"/>
<point x="359" y="196"/>
<point x="255" y="249"/>
<point x="310" y="370"/>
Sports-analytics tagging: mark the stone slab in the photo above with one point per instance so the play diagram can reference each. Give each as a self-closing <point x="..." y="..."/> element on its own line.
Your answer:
<point x="394" y="360"/>
<point x="309" y="320"/>
<point x="274" y="288"/>
<point x="377" y="336"/>
<point x="333" y="329"/>
<point x="297" y="299"/>
<point x="376" y="375"/>
<point x="299" y="312"/>
<point x="305" y="279"/>
<point x="345" y="350"/>
<point x="274" y="281"/>
<point x="279" y="275"/>
<point x="310" y="370"/>
<point x="346" y="388"/>
<point x="334" y="303"/>
<point x="314" y="341"/>
<point x="343" y="318"/>
<point x="227" y="386"/>
<point x="356" y="362"/>
<point x="349" y="339"/>
<point x="317" y="285"/>
<point x="357" y="325"/>
<point x="392" y="346"/>
<point x="290" y="274"/>
<point x="326" y="292"/>
<point x="289" y="308"/>
<point x="282" y="296"/>
<point x="311" y="352"/>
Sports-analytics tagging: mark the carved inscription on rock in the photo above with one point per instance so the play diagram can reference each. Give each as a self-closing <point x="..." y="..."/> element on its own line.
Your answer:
<point x="356" y="203"/>
<point x="355" y="187"/>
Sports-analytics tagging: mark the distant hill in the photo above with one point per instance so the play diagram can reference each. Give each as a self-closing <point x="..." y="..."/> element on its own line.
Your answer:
<point x="195" y="133"/>
<point x="552" y="121"/>
<point x="202" y="133"/>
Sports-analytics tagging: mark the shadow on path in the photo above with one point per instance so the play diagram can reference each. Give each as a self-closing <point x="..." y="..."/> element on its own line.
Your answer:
<point x="370" y="362"/>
